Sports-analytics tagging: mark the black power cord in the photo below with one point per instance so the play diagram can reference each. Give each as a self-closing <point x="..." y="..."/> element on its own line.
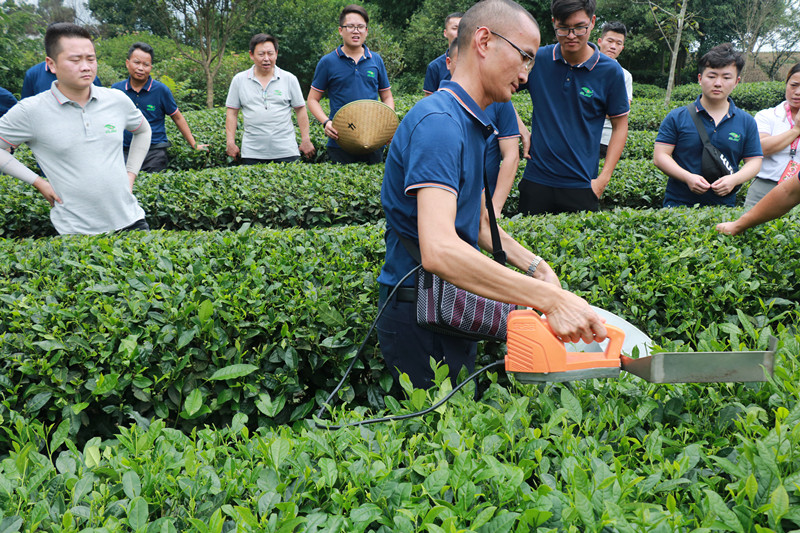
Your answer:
<point x="327" y="402"/>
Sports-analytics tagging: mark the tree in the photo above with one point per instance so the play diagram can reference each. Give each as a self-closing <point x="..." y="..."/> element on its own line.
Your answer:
<point x="202" y="28"/>
<point x="20" y="43"/>
<point x="669" y="22"/>
<point x="55" y="11"/>
<point x="119" y="17"/>
<point x="752" y="20"/>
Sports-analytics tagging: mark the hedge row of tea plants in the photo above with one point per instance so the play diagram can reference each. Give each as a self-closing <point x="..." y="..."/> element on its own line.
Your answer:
<point x="294" y="195"/>
<point x="196" y="327"/>
<point x="616" y="455"/>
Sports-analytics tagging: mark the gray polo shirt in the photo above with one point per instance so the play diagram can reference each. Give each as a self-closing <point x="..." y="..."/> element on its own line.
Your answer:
<point x="268" y="129"/>
<point x="79" y="149"/>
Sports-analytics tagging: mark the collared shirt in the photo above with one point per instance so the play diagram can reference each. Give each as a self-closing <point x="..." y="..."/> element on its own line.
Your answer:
<point x="155" y="101"/>
<point x="435" y="74"/>
<point x="347" y="81"/>
<point x="570" y="104"/>
<point x="607" y="128"/>
<point x="736" y="136"/>
<point x="440" y="143"/>
<point x="268" y="128"/>
<point x="773" y="121"/>
<point x="7" y="101"/>
<point x="38" y="79"/>
<point x="504" y="119"/>
<point x="80" y="151"/>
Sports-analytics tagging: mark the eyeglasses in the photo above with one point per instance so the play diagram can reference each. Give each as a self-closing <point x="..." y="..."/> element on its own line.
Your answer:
<point x="353" y="27"/>
<point x="526" y="57"/>
<point x="578" y="31"/>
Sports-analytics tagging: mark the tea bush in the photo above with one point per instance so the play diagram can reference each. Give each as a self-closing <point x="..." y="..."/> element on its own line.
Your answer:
<point x="196" y="327"/>
<point x="750" y="96"/>
<point x="295" y="195"/>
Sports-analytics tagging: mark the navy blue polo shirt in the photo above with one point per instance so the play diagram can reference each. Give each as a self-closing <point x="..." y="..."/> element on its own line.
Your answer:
<point x="7" y="101"/>
<point x="345" y="81"/>
<point x="504" y="119"/>
<point x="570" y="104"/>
<point x="155" y="101"/>
<point x="736" y="136"/>
<point x="440" y="143"/>
<point x="39" y="78"/>
<point x="435" y="74"/>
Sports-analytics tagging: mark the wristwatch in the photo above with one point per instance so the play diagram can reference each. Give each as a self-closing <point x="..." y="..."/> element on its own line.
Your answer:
<point x="534" y="265"/>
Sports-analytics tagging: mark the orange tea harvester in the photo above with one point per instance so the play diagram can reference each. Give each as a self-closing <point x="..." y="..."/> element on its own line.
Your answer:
<point x="536" y="355"/>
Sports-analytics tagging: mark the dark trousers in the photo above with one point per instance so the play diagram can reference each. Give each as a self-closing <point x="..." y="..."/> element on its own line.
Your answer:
<point x="337" y="155"/>
<point x="254" y="161"/>
<point x="156" y="159"/>
<point x="406" y="347"/>
<point x="139" y="225"/>
<point x="538" y="199"/>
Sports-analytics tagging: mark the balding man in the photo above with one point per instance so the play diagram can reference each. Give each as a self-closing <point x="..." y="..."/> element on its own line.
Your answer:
<point x="432" y="195"/>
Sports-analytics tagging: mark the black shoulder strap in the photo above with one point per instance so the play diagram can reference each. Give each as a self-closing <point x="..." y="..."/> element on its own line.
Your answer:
<point x="698" y="122"/>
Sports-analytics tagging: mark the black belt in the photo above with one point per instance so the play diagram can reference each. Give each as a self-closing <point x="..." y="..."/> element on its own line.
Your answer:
<point x="403" y="294"/>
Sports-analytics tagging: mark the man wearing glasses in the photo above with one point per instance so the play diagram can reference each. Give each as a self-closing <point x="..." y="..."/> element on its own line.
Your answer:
<point x="573" y="88"/>
<point x="267" y="94"/>
<point x="351" y="72"/>
<point x="432" y="195"/>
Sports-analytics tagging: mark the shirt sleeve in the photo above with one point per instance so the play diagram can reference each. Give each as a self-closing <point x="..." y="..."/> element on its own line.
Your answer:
<point x="434" y="155"/>
<point x="668" y="131"/>
<point x="383" y="78"/>
<point x="430" y="85"/>
<point x="320" y="81"/>
<point x="752" y="146"/>
<point x="15" y="127"/>
<point x="765" y="122"/>
<point x="133" y="117"/>
<point x="233" y="101"/>
<point x="168" y="103"/>
<point x="295" y="93"/>
<point x="618" y="103"/>
<point x="628" y="84"/>
<point x="507" y="125"/>
<point x="27" y="84"/>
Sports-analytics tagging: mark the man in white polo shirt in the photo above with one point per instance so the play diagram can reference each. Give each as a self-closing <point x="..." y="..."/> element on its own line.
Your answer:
<point x="75" y="132"/>
<point x="266" y="94"/>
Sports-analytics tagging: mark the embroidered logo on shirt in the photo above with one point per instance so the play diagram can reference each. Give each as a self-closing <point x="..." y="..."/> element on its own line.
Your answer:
<point x="151" y="107"/>
<point x="371" y="74"/>
<point x="735" y="137"/>
<point x="278" y="92"/>
<point x="587" y="92"/>
<point x="110" y="128"/>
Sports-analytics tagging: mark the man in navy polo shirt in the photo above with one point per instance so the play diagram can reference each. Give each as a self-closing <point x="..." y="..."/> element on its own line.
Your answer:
<point x="351" y="72"/>
<point x="678" y="150"/>
<point x="573" y="88"/>
<point x="155" y="101"/>
<point x="437" y="70"/>
<point x="432" y="194"/>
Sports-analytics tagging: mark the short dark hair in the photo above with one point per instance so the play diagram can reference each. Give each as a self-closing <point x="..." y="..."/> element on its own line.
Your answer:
<point x="562" y="9"/>
<point x="144" y="47"/>
<point x="259" y="38"/>
<point x="56" y="31"/>
<point x="448" y="18"/>
<point x="792" y="71"/>
<point x="615" y="26"/>
<point x="721" y="56"/>
<point x="353" y="8"/>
